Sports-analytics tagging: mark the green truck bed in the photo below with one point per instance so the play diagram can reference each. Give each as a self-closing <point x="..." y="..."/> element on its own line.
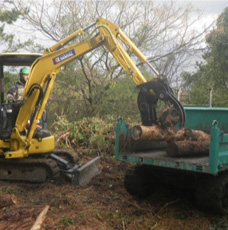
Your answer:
<point x="211" y="120"/>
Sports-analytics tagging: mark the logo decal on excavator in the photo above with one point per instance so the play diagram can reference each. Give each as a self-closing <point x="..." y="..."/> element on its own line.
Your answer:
<point x="64" y="56"/>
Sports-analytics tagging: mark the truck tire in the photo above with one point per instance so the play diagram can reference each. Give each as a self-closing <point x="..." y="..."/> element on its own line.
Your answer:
<point x="212" y="193"/>
<point x="138" y="182"/>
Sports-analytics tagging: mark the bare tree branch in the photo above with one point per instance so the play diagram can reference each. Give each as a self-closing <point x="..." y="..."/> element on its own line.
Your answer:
<point x="164" y="32"/>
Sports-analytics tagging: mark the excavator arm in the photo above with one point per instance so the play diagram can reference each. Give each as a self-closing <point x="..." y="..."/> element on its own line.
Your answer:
<point x="43" y="74"/>
<point x="150" y="91"/>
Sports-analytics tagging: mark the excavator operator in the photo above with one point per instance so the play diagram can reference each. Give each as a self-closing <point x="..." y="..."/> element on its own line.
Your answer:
<point x="16" y="91"/>
<point x="15" y="95"/>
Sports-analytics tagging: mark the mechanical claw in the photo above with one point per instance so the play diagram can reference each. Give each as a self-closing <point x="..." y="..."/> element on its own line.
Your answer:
<point x="150" y="93"/>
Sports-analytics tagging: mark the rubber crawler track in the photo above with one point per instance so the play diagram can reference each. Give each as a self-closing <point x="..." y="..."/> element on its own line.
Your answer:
<point x="49" y="165"/>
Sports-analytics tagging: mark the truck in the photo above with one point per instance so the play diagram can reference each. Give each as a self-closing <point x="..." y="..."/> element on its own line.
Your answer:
<point x="206" y="175"/>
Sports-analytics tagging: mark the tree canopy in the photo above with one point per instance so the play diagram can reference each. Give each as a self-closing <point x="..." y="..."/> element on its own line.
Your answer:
<point x="6" y="38"/>
<point x="212" y="73"/>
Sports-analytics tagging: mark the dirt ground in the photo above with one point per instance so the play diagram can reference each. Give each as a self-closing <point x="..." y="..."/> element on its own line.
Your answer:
<point x="104" y="204"/>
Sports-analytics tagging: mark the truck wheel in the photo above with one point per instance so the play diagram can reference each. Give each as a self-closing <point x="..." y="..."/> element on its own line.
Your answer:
<point x="138" y="182"/>
<point x="221" y="193"/>
<point x="212" y="193"/>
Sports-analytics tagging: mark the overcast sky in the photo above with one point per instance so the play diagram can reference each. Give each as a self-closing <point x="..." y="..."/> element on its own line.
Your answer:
<point x="211" y="7"/>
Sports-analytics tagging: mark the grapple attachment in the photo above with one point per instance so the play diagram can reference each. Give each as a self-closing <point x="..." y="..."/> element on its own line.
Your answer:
<point x="149" y="94"/>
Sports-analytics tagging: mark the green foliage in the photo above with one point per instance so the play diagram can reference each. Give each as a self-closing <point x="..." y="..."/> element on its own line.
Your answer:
<point x="93" y="132"/>
<point x="8" y="41"/>
<point x="118" y="99"/>
<point x="212" y="74"/>
<point x="115" y="98"/>
<point x="9" y="16"/>
<point x="66" y="221"/>
<point x="92" y="125"/>
<point x="9" y="80"/>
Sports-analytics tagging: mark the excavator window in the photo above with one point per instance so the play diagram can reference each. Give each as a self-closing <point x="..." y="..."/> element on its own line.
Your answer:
<point x="14" y="59"/>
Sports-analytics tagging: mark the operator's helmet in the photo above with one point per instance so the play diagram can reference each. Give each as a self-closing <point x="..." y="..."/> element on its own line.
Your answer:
<point x="24" y="71"/>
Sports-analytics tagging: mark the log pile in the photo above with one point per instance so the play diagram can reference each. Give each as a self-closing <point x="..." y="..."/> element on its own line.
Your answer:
<point x="180" y="142"/>
<point x="196" y="143"/>
<point x="155" y="133"/>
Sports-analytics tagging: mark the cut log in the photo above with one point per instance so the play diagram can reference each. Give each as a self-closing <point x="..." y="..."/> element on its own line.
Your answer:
<point x="7" y="200"/>
<point x="169" y="118"/>
<point x="155" y="133"/>
<point x="188" y="148"/>
<point x="171" y="135"/>
<point x="196" y="135"/>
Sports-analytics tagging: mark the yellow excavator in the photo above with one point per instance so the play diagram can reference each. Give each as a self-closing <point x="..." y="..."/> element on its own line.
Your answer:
<point x="25" y="156"/>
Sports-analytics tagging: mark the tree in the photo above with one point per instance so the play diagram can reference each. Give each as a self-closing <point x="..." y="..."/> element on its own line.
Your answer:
<point x="213" y="71"/>
<point x="164" y="32"/>
<point x="7" y="17"/>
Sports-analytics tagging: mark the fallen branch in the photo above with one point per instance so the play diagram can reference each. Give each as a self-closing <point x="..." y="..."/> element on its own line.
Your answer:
<point x="40" y="219"/>
<point x="63" y="136"/>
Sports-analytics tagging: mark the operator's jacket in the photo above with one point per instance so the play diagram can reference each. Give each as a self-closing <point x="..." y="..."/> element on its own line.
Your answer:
<point x="16" y="91"/>
<point x="15" y="95"/>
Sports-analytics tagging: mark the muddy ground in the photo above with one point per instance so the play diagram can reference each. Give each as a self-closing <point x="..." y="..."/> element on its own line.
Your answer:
<point x="104" y="204"/>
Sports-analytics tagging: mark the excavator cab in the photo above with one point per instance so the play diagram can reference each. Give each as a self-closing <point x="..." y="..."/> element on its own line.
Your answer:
<point x="14" y="59"/>
<point x="9" y="111"/>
